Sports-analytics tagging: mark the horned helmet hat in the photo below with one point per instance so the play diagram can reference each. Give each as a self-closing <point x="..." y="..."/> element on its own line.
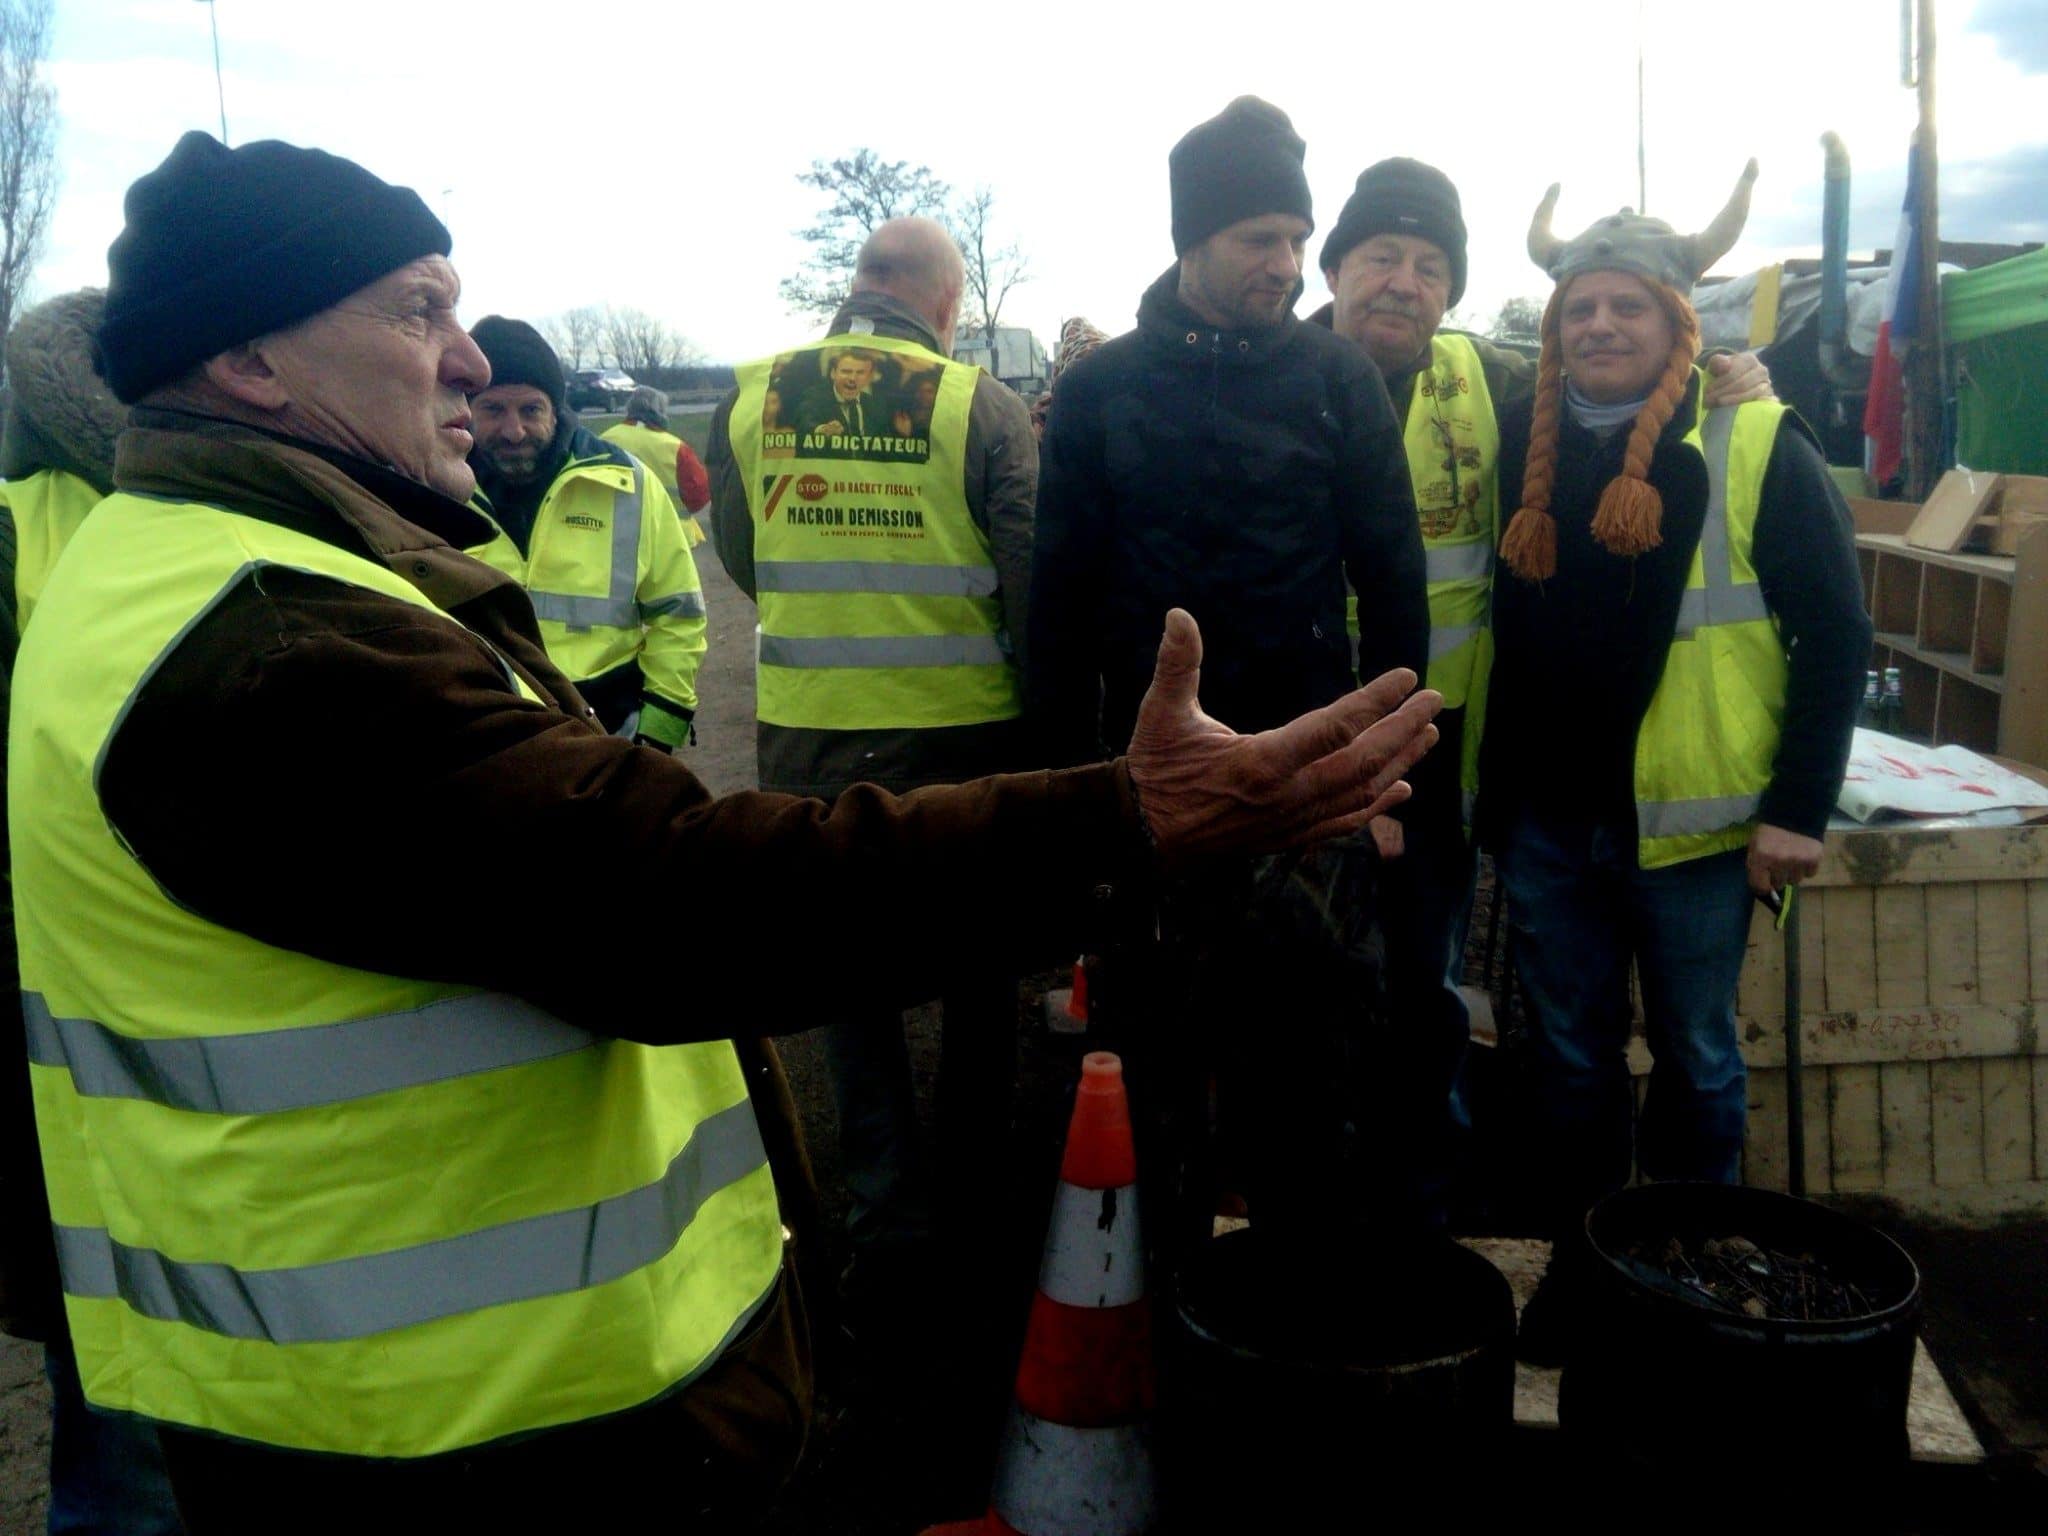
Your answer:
<point x="1629" y="519"/>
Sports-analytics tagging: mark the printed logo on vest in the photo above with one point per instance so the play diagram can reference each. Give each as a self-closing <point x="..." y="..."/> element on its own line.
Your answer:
<point x="583" y="520"/>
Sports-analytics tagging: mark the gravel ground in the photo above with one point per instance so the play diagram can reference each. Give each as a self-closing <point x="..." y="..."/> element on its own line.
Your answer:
<point x="24" y="1438"/>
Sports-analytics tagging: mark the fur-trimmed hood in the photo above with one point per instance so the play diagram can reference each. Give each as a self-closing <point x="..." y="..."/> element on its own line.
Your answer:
<point x="59" y="414"/>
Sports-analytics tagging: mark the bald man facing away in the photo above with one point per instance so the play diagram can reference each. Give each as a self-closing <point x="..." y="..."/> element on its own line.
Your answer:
<point x="875" y="499"/>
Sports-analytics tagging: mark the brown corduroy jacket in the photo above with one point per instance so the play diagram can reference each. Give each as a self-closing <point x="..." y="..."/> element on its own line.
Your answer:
<point x="550" y="860"/>
<point x="337" y="772"/>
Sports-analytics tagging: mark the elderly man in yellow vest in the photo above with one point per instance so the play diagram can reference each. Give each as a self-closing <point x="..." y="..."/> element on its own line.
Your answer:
<point x="890" y="553"/>
<point x="1396" y="264"/>
<point x="389" y="1210"/>
<point x="589" y="531"/>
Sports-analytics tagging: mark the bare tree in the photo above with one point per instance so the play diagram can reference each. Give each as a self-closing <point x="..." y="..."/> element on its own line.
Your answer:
<point x="556" y="334"/>
<point x="645" y="346"/>
<point x="580" y="330"/>
<point x="576" y="335"/>
<point x="1519" y="319"/>
<point x="865" y="191"/>
<point x="992" y="270"/>
<point x="28" y="147"/>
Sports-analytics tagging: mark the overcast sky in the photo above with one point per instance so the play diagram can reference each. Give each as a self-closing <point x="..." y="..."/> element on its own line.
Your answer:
<point x="647" y="155"/>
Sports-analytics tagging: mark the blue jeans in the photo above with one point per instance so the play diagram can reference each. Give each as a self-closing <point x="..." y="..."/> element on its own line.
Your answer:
<point x="1579" y="910"/>
<point x="107" y="1473"/>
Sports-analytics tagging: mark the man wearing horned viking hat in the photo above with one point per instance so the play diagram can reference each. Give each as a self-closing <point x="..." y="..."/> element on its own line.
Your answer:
<point x="1680" y="599"/>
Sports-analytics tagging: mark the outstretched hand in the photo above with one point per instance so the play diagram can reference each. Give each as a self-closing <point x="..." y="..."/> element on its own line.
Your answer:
<point x="1206" y="790"/>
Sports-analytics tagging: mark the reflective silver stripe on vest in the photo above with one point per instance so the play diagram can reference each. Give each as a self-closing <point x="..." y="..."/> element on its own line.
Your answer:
<point x="549" y="1255"/>
<point x="685" y="605"/>
<point x="618" y="609"/>
<point x="282" y="1069"/>
<point x="874" y="576"/>
<point x="1446" y="638"/>
<point x="1458" y="562"/>
<point x="1688" y="818"/>
<point x="882" y="651"/>
<point x="1721" y="600"/>
<point x="586" y="612"/>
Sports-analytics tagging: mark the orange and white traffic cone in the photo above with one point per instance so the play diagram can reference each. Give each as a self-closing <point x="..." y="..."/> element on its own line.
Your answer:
<point x="1076" y="1458"/>
<point x="1077" y="998"/>
<point x="1066" y="1008"/>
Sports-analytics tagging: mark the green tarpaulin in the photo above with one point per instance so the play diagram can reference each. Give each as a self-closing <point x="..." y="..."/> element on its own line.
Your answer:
<point x="1996" y="320"/>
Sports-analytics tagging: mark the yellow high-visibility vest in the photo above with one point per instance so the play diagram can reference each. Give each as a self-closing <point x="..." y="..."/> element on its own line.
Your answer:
<point x="657" y="450"/>
<point x="313" y="1206"/>
<point x="1706" y="746"/>
<point x="878" y="594"/>
<point x="652" y="447"/>
<point x="609" y="571"/>
<point x="1453" y="447"/>
<point x="48" y="508"/>
<point x="1452" y="441"/>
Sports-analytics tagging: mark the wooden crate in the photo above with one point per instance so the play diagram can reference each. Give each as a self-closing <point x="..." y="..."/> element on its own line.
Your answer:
<point x="1924" y="960"/>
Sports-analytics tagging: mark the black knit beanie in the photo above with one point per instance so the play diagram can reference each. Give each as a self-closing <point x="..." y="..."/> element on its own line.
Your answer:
<point x="224" y="245"/>
<point x="1402" y="197"/>
<point x="518" y="354"/>
<point x="1243" y="162"/>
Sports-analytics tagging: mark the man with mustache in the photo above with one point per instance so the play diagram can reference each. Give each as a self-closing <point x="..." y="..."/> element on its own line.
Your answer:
<point x="1694" y="570"/>
<point x="1227" y="458"/>
<point x="1395" y="264"/>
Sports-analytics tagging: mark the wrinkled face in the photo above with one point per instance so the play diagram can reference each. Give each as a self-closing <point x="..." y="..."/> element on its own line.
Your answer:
<point x="385" y="375"/>
<point x="1391" y="292"/>
<point x="514" y="425"/>
<point x="1244" y="277"/>
<point x="850" y="375"/>
<point x="1614" y="335"/>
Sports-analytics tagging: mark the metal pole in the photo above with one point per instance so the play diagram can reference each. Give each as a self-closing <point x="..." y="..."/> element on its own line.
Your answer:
<point x="1795" y="1079"/>
<point x="1926" y="381"/>
<point x="220" y="89"/>
<point x="1642" y="155"/>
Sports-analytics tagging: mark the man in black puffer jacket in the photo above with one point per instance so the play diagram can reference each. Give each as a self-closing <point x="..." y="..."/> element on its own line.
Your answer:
<point x="1227" y="458"/>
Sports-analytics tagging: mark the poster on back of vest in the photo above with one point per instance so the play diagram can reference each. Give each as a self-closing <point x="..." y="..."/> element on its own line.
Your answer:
<point x="867" y="412"/>
<point x="857" y="403"/>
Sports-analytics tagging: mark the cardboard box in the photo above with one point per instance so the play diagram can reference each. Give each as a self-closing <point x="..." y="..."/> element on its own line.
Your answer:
<point x="2022" y="506"/>
<point x="1961" y="498"/>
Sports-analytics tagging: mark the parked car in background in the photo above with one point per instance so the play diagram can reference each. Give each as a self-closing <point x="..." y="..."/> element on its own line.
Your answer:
<point x="1013" y="355"/>
<point x="599" y="389"/>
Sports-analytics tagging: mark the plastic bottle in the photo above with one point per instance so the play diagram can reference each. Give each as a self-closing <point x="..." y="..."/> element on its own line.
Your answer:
<point x="1894" y="703"/>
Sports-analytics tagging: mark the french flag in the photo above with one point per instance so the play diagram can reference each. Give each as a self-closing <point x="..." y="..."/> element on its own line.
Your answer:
<point x="1884" y="412"/>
